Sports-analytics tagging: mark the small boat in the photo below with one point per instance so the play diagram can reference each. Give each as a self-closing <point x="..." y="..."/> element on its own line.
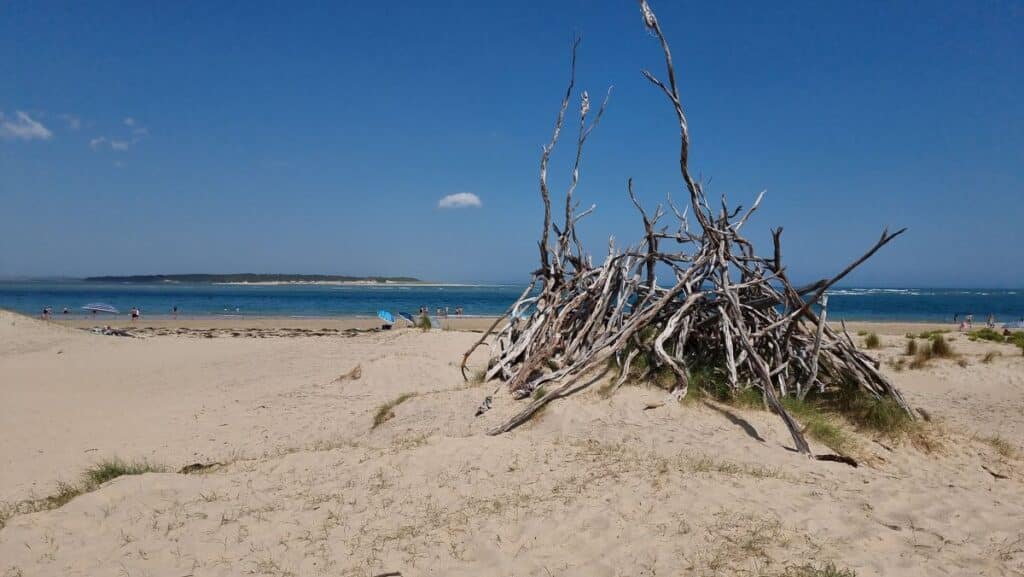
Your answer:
<point x="100" y="308"/>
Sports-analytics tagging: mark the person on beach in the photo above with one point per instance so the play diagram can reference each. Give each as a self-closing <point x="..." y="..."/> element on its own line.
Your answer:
<point x="991" y="321"/>
<point x="46" y="313"/>
<point x="135" y="314"/>
<point x="65" y="311"/>
<point x="174" y="311"/>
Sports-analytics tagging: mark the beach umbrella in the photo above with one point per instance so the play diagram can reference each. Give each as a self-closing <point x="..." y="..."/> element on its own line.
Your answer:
<point x="407" y="316"/>
<point x="386" y="317"/>
<point x="100" y="308"/>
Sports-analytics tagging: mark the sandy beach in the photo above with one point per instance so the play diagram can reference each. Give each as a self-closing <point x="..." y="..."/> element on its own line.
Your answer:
<point x="305" y="482"/>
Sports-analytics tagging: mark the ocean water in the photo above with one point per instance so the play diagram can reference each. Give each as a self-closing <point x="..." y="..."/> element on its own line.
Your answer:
<point x="911" y="304"/>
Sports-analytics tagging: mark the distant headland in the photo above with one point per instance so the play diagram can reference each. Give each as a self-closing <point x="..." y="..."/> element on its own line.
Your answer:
<point x="251" y="278"/>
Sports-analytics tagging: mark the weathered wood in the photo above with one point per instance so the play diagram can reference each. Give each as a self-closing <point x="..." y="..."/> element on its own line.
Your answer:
<point x="725" y="310"/>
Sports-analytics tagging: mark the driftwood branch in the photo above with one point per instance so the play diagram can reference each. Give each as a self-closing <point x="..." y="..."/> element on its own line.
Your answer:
<point x="726" y="313"/>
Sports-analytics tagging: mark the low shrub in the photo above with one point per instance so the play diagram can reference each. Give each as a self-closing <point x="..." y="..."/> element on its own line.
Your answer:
<point x="872" y="341"/>
<point x="941" y="348"/>
<point x="911" y="348"/>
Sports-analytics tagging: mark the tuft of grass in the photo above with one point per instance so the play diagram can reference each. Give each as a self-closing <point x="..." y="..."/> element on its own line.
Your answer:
<point x="108" y="470"/>
<point x="933" y="334"/>
<point x="642" y="362"/>
<point x="937" y="347"/>
<point x="898" y="364"/>
<point x="1005" y="448"/>
<point x="386" y="412"/>
<point x="424" y="323"/>
<point x="911" y="348"/>
<point x="540" y="392"/>
<point x="91" y="479"/>
<point x="818" y="424"/>
<point x="872" y="341"/>
<point x="922" y="357"/>
<point x="989" y="357"/>
<point x="478" y="376"/>
<point x="962" y="363"/>
<point x="879" y="415"/>
<point x="809" y="570"/>
<point x="941" y="348"/>
<point x="664" y="378"/>
<point x="750" y="398"/>
<point x="986" y="334"/>
<point x="862" y="333"/>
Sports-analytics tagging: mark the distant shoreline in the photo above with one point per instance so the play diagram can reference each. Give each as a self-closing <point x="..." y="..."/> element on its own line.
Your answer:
<point x="250" y="278"/>
<point x="361" y="283"/>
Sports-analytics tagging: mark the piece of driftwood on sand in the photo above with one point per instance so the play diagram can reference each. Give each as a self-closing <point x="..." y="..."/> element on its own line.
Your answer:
<point x="726" y="311"/>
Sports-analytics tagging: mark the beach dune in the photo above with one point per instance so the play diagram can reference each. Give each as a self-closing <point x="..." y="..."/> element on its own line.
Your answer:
<point x="322" y="469"/>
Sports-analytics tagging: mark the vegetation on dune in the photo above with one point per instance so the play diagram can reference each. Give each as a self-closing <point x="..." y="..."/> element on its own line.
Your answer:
<point x="822" y="414"/>
<point x="986" y="334"/>
<point x="911" y="348"/>
<point x="386" y="412"/>
<point x="91" y="479"/>
<point x="1005" y="448"/>
<point x="871" y="341"/>
<point x="810" y="570"/>
<point x="424" y="323"/>
<point x="818" y="424"/>
<point x="941" y="348"/>
<point x="937" y="347"/>
<point x="108" y="470"/>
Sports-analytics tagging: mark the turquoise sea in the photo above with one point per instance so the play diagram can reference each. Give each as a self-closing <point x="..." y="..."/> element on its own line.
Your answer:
<point x="29" y="297"/>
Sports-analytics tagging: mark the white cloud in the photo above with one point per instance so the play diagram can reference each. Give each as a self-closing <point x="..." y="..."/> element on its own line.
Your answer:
<point x="129" y="121"/>
<point x="97" y="142"/>
<point x="460" y="200"/>
<point x="23" y="127"/>
<point x="120" y="144"/>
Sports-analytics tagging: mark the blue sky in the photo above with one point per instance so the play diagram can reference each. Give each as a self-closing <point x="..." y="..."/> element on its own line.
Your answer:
<point x="320" y="137"/>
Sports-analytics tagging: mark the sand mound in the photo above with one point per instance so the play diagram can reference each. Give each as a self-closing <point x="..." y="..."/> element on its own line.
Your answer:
<point x="593" y="486"/>
<point x="21" y="334"/>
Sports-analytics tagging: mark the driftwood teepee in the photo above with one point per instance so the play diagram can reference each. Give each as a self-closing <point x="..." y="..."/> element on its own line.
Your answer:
<point x="726" y="307"/>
